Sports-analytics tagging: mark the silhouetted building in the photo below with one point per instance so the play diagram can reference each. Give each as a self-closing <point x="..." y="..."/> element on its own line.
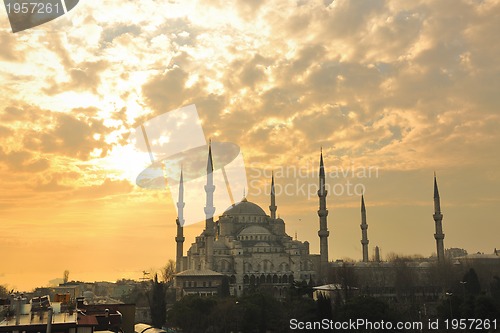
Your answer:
<point x="249" y="247"/>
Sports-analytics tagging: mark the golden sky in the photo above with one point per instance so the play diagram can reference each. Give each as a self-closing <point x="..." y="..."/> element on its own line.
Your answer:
<point x="405" y="88"/>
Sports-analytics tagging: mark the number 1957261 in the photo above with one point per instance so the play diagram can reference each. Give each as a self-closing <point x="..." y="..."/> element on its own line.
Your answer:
<point x="33" y="8"/>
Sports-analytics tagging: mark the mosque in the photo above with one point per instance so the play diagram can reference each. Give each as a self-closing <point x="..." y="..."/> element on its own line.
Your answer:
<point x="247" y="246"/>
<point x="249" y="249"/>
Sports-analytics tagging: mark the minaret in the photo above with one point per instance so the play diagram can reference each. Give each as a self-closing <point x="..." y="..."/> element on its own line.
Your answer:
<point x="180" y="226"/>
<point x="377" y="254"/>
<point x="438" y="218"/>
<point x="209" y="211"/>
<point x="323" y="232"/>
<point x="364" y="230"/>
<point x="273" y="207"/>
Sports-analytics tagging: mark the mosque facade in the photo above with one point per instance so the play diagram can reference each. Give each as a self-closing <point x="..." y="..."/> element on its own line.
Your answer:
<point x="249" y="247"/>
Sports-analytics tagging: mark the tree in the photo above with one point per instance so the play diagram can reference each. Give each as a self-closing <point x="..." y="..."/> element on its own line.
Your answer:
<point x="324" y="307"/>
<point x="404" y="281"/>
<point x="366" y="307"/>
<point x="137" y="295"/>
<point x="192" y="313"/>
<point x="471" y="281"/>
<point x="346" y="277"/>
<point x="4" y="292"/>
<point x="157" y="303"/>
<point x="65" y="276"/>
<point x="485" y="308"/>
<point x="495" y="290"/>
<point x="168" y="272"/>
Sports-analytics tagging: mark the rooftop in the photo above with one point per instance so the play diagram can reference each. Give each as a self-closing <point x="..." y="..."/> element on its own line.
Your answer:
<point x="199" y="272"/>
<point x="28" y="319"/>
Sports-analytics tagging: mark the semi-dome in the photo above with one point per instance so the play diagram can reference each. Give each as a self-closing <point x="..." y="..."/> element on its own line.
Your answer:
<point x="245" y="207"/>
<point x="254" y="230"/>
<point x="219" y="245"/>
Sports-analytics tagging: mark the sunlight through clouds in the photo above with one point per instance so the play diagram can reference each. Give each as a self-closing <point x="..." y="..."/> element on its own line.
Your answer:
<point x="409" y="87"/>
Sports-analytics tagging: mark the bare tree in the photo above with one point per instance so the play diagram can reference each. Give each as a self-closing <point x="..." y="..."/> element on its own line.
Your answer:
<point x="4" y="292"/>
<point x="168" y="272"/>
<point x="66" y="276"/>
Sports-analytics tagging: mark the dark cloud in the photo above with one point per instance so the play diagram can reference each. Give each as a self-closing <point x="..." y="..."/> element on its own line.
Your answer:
<point x="111" y="32"/>
<point x="165" y="91"/>
<point x="23" y="161"/>
<point x="5" y="131"/>
<point x="12" y="113"/>
<point x="74" y="134"/>
<point x="70" y="136"/>
<point x="86" y="76"/>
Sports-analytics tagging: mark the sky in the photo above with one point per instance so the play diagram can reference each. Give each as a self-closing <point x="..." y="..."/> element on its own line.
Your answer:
<point x="392" y="91"/>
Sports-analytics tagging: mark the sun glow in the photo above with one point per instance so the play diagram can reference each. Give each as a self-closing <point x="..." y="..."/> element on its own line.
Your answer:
<point x="125" y="162"/>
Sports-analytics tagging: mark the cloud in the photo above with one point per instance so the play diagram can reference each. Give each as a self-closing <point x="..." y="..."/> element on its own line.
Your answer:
<point x="407" y="86"/>
<point x="167" y="90"/>
<point x="53" y="185"/>
<point x="114" y="31"/>
<point x="83" y="76"/>
<point x="71" y="136"/>
<point x="107" y="188"/>
<point x="23" y="161"/>
<point x="9" y="51"/>
<point x="5" y="131"/>
<point x="13" y="113"/>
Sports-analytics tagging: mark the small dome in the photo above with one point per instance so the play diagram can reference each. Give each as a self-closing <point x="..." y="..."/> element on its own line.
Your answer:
<point x="245" y="207"/>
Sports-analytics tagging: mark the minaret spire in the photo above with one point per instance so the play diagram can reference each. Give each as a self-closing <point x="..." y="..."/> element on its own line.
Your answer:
<point x="323" y="232"/>
<point x="209" y="231"/>
<point x="180" y="226"/>
<point x="364" y="230"/>
<point x="438" y="218"/>
<point x="210" y="164"/>
<point x="273" y="207"/>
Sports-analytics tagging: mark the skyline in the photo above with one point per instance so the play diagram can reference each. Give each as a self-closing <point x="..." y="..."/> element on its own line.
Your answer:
<point x="405" y="89"/>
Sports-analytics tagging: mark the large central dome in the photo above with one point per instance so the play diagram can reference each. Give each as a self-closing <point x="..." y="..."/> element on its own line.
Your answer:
<point x="244" y="207"/>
